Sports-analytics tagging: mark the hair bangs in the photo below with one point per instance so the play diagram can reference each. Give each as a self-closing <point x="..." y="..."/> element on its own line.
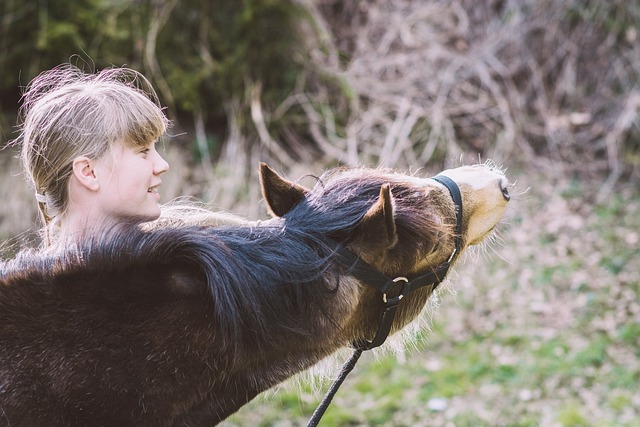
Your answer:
<point x="135" y="119"/>
<point x="145" y="122"/>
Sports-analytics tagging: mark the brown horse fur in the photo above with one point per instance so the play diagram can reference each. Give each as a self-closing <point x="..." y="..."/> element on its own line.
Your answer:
<point x="182" y="325"/>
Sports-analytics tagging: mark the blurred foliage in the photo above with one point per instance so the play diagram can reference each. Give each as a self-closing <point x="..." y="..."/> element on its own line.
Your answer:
<point x="299" y="81"/>
<point x="314" y="83"/>
<point x="200" y="54"/>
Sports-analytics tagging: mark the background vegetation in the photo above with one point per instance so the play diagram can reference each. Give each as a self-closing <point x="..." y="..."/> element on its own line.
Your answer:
<point x="542" y="333"/>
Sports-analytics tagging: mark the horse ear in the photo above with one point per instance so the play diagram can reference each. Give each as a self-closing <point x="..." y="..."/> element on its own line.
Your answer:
<point x="280" y="194"/>
<point x="377" y="229"/>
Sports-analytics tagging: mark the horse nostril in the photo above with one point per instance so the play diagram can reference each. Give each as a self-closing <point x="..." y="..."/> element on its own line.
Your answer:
<point x="505" y="192"/>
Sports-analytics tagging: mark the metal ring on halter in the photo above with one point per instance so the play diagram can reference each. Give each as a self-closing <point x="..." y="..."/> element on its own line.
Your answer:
<point x="399" y="297"/>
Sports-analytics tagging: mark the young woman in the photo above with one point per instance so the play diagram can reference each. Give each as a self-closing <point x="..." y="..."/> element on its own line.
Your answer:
<point x="89" y="149"/>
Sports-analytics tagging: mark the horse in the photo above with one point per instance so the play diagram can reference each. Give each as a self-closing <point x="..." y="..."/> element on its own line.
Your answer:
<point x="182" y="325"/>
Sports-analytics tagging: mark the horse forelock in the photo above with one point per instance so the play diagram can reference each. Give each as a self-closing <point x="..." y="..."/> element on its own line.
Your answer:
<point x="342" y="197"/>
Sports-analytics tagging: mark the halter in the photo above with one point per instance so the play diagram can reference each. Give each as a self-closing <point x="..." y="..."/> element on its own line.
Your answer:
<point x="392" y="290"/>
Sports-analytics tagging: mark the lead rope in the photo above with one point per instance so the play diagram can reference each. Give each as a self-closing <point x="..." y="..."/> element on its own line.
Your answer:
<point x="383" y="331"/>
<point x="328" y="397"/>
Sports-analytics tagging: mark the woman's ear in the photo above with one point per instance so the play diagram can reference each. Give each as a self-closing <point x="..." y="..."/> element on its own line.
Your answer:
<point x="83" y="170"/>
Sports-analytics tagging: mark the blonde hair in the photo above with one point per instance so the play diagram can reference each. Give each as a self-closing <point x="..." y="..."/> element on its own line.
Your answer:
<point x="68" y="113"/>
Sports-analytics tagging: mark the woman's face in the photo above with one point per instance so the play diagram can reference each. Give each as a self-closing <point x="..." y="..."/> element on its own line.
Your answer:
<point x="129" y="179"/>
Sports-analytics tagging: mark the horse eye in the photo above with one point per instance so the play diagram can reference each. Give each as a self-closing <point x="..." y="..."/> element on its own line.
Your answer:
<point x="505" y="193"/>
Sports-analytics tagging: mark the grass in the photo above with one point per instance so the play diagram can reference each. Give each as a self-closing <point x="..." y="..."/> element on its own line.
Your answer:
<point x="547" y="333"/>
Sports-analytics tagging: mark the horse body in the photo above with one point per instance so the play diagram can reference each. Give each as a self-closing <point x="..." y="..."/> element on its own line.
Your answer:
<point x="184" y="325"/>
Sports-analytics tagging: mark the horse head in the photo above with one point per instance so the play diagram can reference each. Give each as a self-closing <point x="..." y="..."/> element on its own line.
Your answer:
<point x="405" y="228"/>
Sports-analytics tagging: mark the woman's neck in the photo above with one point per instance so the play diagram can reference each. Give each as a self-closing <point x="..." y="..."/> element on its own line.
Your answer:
<point x="77" y="225"/>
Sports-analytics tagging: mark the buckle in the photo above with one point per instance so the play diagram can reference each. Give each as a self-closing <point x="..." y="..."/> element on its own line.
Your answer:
<point x="395" y="300"/>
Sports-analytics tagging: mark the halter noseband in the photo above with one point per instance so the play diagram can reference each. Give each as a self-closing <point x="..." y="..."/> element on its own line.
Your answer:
<point x="372" y="277"/>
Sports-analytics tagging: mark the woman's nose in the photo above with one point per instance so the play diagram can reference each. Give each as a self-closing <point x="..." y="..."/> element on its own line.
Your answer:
<point x="160" y="164"/>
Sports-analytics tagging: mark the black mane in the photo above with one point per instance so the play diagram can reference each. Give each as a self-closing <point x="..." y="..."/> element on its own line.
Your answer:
<point x="246" y="268"/>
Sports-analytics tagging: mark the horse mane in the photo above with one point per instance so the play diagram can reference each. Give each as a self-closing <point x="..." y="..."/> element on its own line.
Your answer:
<point x="255" y="275"/>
